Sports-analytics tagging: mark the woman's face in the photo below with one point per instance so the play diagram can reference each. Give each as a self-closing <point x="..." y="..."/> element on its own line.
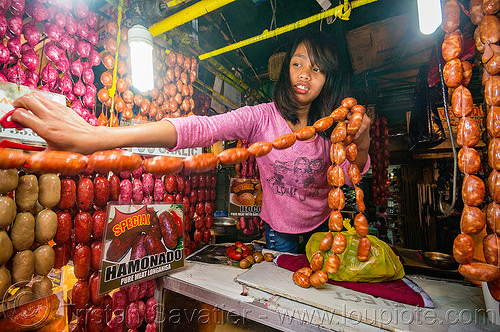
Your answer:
<point x="307" y="79"/>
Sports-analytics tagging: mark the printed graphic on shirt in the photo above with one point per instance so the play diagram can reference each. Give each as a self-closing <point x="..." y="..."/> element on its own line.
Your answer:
<point x="290" y="177"/>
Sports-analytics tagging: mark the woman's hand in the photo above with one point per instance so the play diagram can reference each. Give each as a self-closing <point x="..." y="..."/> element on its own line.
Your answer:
<point x="61" y="127"/>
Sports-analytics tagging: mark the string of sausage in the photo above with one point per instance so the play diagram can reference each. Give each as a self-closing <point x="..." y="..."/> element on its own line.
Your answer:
<point x="457" y="76"/>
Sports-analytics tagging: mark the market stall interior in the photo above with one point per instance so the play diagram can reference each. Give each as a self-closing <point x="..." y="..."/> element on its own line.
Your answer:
<point x="150" y="239"/>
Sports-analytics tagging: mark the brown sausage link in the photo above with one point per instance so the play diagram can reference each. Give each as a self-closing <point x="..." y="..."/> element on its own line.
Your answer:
<point x="260" y="149"/>
<point x="67" y="163"/>
<point x="491" y="7"/>
<point x="472" y="190"/>
<point x="306" y="271"/>
<point x="364" y="249"/>
<point x="326" y="243"/>
<point x="493" y="121"/>
<point x="335" y="176"/>
<point x="201" y="163"/>
<point x="339" y="133"/>
<point x="163" y="165"/>
<point x="354" y="122"/>
<point x="339" y="243"/>
<point x="453" y="73"/>
<point x="472" y="221"/>
<point x="361" y="224"/>
<point x="493" y="217"/>
<point x="479" y="271"/>
<point x="336" y="199"/>
<point x="489" y="29"/>
<point x="461" y="102"/>
<point x="476" y="11"/>
<point x="318" y="278"/>
<point x="358" y="108"/>
<point x="494" y="154"/>
<point x="284" y="141"/>
<point x="323" y="123"/>
<point x="477" y="40"/>
<point x="452" y="45"/>
<point x="451" y="16"/>
<point x="305" y="133"/>
<point x="114" y="161"/>
<point x="469" y="161"/>
<point x="354" y="174"/>
<point x="348" y="139"/>
<point x="360" y="199"/>
<point x="301" y="279"/>
<point x="492" y="90"/>
<point x="337" y="153"/>
<point x="349" y="102"/>
<point x="352" y="152"/>
<point x="332" y="264"/>
<point x="491" y="248"/>
<point x="467" y="132"/>
<point x="233" y="156"/>
<point x="68" y="194"/>
<point x="336" y="221"/>
<point x="494" y="288"/>
<point x="492" y="65"/>
<point x="10" y="158"/>
<point x="466" y="73"/>
<point x="339" y="114"/>
<point x="463" y="249"/>
<point x="494" y="185"/>
<point x="317" y="261"/>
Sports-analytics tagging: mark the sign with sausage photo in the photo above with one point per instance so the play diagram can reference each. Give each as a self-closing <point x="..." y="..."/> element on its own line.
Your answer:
<point x="140" y="242"/>
<point x="245" y="197"/>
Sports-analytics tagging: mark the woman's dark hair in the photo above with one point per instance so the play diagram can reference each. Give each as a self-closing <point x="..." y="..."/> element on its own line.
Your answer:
<point x="324" y="54"/>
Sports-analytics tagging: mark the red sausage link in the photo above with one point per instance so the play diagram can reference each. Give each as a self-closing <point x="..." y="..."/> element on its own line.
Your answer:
<point x="469" y="161"/>
<point x="339" y="243"/>
<point x="201" y="163"/>
<point x="99" y="222"/>
<point x="452" y="45"/>
<point x="364" y="249"/>
<point x="360" y="199"/>
<point x="467" y="132"/>
<point x="67" y="163"/>
<point x="118" y="248"/>
<point x="354" y="122"/>
<point x="463" y="249"/>
<point x="85" y="194"/>
<point x="64" y="225"/>
<point x="323" y="123"/>
<point x="80" y="294"/>
<point x="114" y="187"/>
<point x="163" y="165"/>
<point x="492" y="90"/>
<point x="466" y="73"/>
<point x="305" y="133"/>
<point x="81" y="260"/>
<point x="284" y="141"/>
<point x="479" y="271"/>
<point x="138" y="249"/>
<point x="473" y="190"/>
<point x="494" y="154"/>
<point x="338" y="153"/>
<point x="95" y="252"/>
<point x="451" y="16"/>
<point x="336" y="199"/>
<point x="453" y="73"/>
<point x="354" y="174"/>
<point x="493" y="217"/>
<point x="473" y="220"/>
<point x="461" y="102"/>
<point x="336" y="221"/>
<point x="361" y="224"/>
<point x="335" y="176"/>
<point x="101" y="191"/>
<point x="233" y="156"/>
<point x="10" y="158"/>
<point x="491" y="248"/>
<point x="339" y="114"/>
<point x="339" y="133"/>
<point x="168" y="230"/>
<point x="114" y="161"/>
<point x="349" y="102"/>
<point x="351" y="152"/>
<point x="493" y="121"/>
<point x="153" y="244"/>
<point x="260" y="149"/>
<point x="68" y="194"/>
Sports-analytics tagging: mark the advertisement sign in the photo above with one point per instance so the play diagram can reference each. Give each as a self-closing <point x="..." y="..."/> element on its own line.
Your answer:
<point x="140" y="242"/>
<point x="245" y="197"/>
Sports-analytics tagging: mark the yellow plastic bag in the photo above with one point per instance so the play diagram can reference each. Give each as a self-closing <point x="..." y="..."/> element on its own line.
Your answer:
<point x="382" y="264"/>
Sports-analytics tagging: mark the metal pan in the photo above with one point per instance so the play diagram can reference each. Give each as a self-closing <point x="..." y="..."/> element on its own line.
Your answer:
<point x="440" y="260"/>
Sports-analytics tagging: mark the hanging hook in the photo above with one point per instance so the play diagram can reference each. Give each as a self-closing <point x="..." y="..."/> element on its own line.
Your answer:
<point x="445" y="102"/>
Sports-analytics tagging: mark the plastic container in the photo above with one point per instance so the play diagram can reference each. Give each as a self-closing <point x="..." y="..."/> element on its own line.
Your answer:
<point x="492" y="305"/>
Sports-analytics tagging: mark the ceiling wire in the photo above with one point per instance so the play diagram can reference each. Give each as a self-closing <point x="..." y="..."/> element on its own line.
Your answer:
<point x="273" y="24"/>
<point x="242" y="53"/>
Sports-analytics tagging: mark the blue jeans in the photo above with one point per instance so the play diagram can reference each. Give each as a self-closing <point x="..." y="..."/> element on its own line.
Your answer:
<point x="293" y="243"/>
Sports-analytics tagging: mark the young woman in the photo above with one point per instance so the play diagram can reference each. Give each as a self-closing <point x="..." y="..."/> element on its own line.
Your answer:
<point x="294" y="185"/>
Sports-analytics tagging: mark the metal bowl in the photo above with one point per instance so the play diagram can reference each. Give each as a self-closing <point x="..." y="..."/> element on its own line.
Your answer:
<point x="224" y="225"/>
<point x="440" y="260"/>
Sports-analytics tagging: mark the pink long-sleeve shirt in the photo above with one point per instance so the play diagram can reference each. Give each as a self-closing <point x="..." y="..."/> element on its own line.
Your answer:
<point x="294" y="185"/>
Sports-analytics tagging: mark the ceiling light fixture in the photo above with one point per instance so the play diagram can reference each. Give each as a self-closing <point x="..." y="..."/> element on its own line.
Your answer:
<point x="140" y="41"/>
<point x="429" y="15"/>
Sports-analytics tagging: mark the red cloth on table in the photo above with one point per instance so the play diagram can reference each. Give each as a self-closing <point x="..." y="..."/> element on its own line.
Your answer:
<point x="396" y="290"/>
